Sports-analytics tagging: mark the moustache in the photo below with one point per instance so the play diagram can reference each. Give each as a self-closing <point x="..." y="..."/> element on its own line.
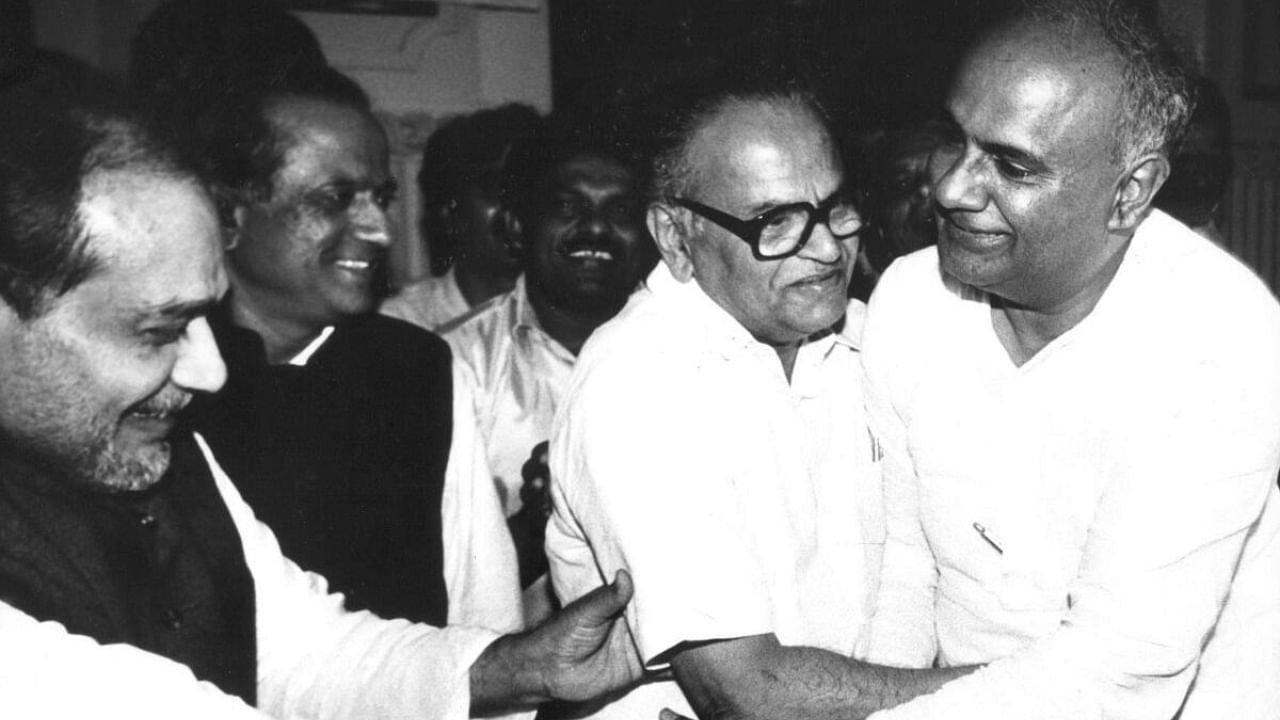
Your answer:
<point x="162" y="405"/>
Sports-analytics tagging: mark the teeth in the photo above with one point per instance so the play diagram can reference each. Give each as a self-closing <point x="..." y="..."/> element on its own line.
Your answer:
<point x="592" y="254"/>
<point x="354" y="264"/>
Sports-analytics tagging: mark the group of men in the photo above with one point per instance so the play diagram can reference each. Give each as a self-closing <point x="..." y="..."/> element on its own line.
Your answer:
<point x="1035" y="478"/>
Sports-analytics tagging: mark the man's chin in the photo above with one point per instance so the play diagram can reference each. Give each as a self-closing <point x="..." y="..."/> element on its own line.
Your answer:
<point x="117" y="471"/>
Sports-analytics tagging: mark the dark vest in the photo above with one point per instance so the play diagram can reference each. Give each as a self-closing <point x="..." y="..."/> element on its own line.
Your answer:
<point x="344" y="458"/>
<point x="162" y="569"/>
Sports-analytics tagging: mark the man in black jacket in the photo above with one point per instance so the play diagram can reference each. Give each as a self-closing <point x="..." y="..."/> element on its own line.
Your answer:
<point x="124" y="530"/>
<point x="342" y="428"/>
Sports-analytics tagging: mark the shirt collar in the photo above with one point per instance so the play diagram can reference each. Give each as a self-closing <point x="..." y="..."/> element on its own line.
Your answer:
<point x="525" y="325"/>
<point x="301" y="359"/>
<point x="726" y="329"/>
<point x="525" y="317"/>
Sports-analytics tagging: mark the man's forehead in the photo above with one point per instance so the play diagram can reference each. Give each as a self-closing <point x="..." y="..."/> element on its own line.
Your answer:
<point x="1044" y="47"/>
<point x="157" y="236"/>
<point x="1026" y="85"/>
<point x="765" y="151"/>
<point x="592" y="168"/>
<point x="322" y="136"/>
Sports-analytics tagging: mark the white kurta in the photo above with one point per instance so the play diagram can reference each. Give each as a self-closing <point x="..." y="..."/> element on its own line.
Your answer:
<point x="1077" y="522"/>
<point x="740" y="503"/>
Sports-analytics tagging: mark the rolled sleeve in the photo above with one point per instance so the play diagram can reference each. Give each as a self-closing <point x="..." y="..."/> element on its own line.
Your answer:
<point x="656" y="500"/>
<point x="317" y="660"/>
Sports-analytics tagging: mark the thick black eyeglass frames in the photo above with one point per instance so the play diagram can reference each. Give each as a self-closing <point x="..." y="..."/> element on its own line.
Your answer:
<point x="784" y="230"/>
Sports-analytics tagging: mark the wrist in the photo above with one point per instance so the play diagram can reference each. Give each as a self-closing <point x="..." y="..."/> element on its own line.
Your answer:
<point x="506" y="678"/>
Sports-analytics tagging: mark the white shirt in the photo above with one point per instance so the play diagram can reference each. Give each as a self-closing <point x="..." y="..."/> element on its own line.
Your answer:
<point x="519" y="373"/>
<point x="315" y="660"/>
<point x="481" y="574"/>
<point x="429" y="302"/>
<point x="740" y="503"/>
<point x="1076" y="522"/>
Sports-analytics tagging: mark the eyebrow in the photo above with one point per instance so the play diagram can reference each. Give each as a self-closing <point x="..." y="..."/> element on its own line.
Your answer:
<point x="991" y="147"/>
<point x="1009" y="152"/>
<point x="178" y="310"/>
<point x="767" y="205"/>
<point x="347" y="183"/>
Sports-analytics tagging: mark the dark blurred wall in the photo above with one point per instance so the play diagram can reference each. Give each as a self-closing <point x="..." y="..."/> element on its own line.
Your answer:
<point x="875" y="62"/>
<point x="15" y="31"/>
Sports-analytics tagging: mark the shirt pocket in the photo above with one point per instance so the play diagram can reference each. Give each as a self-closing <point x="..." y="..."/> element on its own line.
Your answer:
<point x="991" y="552"/>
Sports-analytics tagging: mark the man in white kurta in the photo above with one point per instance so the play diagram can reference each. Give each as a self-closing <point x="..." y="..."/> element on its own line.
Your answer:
<point x="1077" y="522"/>
<point x="741" y="503"/>
<point x="712" y="439"/>
<point x="1079" y="404"/>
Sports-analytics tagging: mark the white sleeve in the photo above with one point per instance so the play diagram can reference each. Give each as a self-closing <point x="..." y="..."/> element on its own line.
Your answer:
<point x="634" y="473"/>
<point x="480" y="566"/>
<point x="317" y="660"/>
<point x="47" y="672"/>
<point x="902" y="628"/>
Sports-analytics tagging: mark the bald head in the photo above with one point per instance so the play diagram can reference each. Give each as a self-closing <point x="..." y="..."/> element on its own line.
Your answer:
<point x="748" y="133"/>
<point x="1107" y="41"/>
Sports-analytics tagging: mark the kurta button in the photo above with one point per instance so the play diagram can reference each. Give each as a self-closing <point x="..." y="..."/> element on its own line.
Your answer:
<point x="173" y="617"/>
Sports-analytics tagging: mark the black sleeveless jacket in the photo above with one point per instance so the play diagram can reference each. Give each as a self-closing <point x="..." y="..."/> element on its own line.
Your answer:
<point x="161" y="569"/>
<point x="344" y="458"/>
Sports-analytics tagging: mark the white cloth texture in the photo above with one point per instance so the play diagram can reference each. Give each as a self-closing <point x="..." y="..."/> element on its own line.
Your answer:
<point x="429" y="302"/>
<point x="315" y="660"/>
<point x="741" y="504"/>
<point x="481" y="574"/>
<point x="518" y="374"/>
<point x="1079" y="523"/>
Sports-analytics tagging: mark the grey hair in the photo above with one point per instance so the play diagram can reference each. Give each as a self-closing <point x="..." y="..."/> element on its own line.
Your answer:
<point x="1157" y="94"/>
<point x="694" y="106"/>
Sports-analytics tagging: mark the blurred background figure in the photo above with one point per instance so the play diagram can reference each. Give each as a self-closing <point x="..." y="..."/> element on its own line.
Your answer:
<point x="466" y="228"/>
<point x="191" y="57"/>
<point x="1202" y="167"/>
<point x="576" y="196"/>
<point x="894" y="164"/>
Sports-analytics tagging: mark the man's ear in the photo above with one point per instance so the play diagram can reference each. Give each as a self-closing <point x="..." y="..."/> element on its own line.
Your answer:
<point x="234" y="228"/>
<point x="1137" y="189"/>
<point x="669" y="235"/>
<point x="9" y="319"/>
<point x="512" y="232"/>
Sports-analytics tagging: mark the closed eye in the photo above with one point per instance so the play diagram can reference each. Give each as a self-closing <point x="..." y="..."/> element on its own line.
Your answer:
<point x="1012" y="170"/>
<point x="166" y="335"/>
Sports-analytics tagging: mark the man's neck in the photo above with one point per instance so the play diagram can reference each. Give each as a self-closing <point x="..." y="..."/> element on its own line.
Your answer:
<point x="1025" y="331"/>
<point x="569" y="327"/>
<point x="282" y="339"/>
<point x="477" y="285"/>
<point x="787" y="354"/>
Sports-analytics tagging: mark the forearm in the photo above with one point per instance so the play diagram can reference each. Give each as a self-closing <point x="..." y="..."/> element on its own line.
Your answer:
<point x="756" y="678"/>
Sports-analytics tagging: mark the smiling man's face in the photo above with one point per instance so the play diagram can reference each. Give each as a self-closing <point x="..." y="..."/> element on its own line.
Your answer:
<point x="312" y="254"/>
<point x="751" y="157"/>
<point x="585" y="245"/>
<point x="92" y="387"/>
<point x="1026" y="185"/>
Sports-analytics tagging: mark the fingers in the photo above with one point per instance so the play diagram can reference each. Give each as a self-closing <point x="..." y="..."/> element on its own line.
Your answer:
<point x="622" y="587"/>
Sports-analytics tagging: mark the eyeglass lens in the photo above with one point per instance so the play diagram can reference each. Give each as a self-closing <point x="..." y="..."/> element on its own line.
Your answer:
<point x="785" y="230"/>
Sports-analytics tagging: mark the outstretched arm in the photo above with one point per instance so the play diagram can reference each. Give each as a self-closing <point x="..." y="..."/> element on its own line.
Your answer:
<point x="756" y="677"/>
<point x="579" y="653"/>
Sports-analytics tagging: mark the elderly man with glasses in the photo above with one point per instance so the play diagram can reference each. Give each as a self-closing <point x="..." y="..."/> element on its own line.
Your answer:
<point x="712" y="441"/>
